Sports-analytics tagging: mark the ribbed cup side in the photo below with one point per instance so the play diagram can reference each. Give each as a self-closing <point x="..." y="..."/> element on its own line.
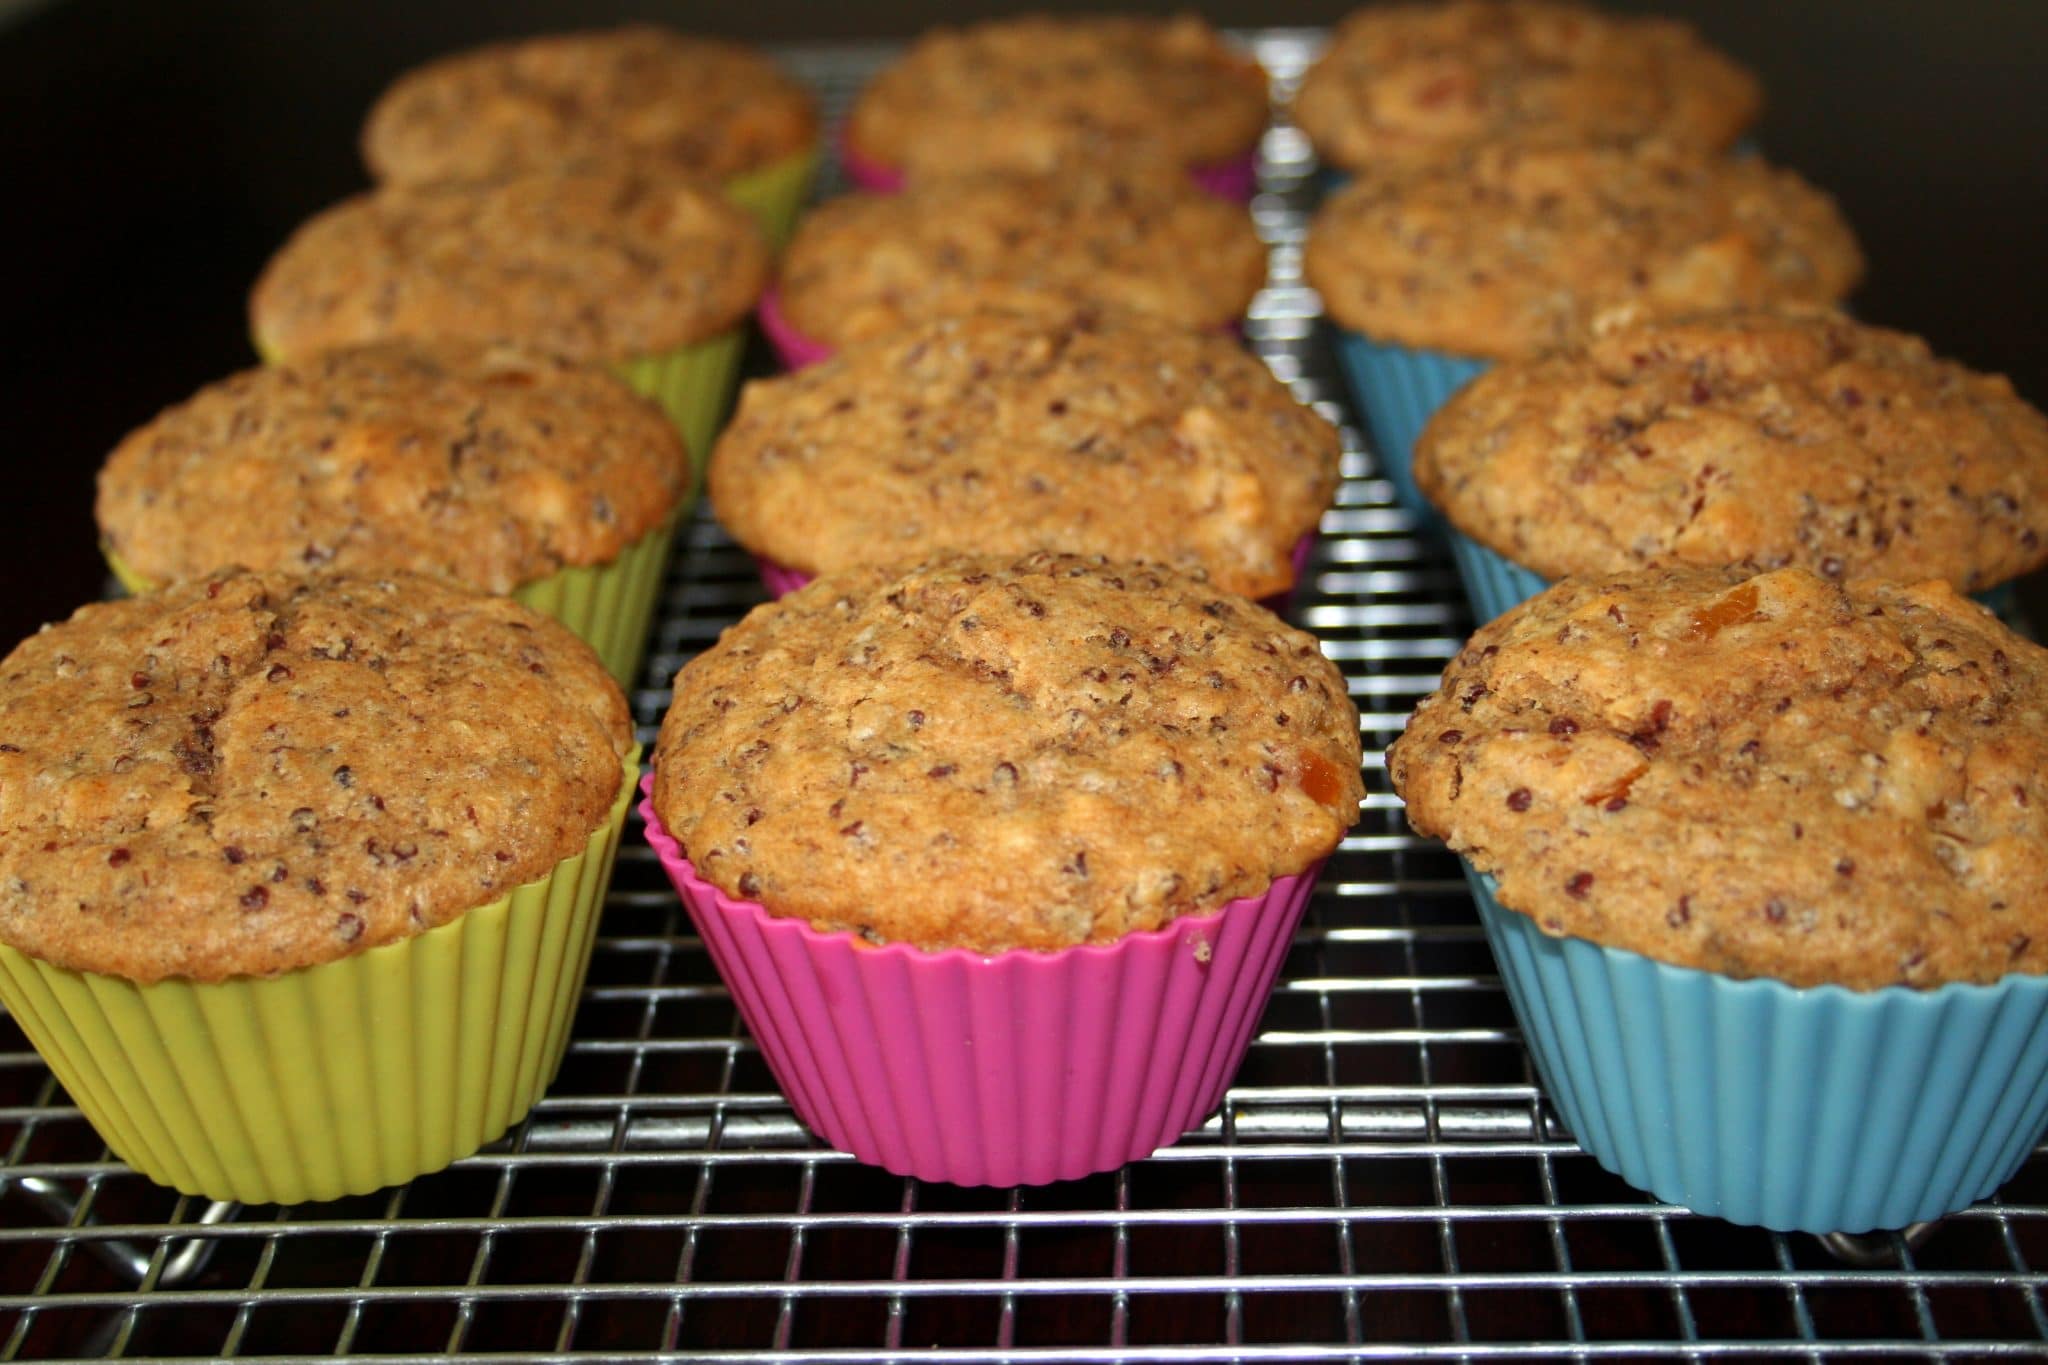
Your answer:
<point x="1492" y="582"/>
<point x="609" y="606"/>
<point x="792" y="347"/>
<point x="775" y="194"/>
<point x="1811" y="1110"/>
<point x="1020" y="1068"/>
<point x="337" y="1079"/>
<point x="1398" y="389"/>
<point x="694" y="385"/>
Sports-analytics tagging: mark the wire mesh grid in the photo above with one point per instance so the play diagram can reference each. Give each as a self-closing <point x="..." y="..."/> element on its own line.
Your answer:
<point x="1384" y="1179"/>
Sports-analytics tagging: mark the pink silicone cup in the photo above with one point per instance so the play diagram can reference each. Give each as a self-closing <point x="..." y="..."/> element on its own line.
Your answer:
<point x="794" y="348"/>
<point x="781" y="580"/>
<point x="1236" y="179"/>
<point x="1021" y="1068"/>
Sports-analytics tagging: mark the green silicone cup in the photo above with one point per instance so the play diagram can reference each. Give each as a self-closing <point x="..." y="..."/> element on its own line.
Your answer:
<point x="775" y="194"/>
<point x="337" y="1079"/>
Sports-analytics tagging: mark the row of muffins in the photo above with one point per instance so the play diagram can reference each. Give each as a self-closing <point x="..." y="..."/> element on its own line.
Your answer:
<point x="437" y="400"/>
<point x="1746" y="806"/>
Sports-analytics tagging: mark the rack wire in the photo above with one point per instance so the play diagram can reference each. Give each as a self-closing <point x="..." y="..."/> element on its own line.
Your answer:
<point x="1384" y="1179"/>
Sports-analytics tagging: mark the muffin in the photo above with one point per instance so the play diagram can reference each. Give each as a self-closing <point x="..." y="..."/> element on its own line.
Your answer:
<point x="272" y="845"/>
<point x="650" y="275"/>
<point x="692" y="106"/>
<point x="1767" y="439"/>
<point x="1000" y="857"/>
<point x="1762" y="860"/>
<point x="1513" y="249"/>
<point x="1411" y="84"/>
<point x="499" y="468"/>
<point x="1000" y="434"/>
<point x="1058" y="246"/>
<point x="1045" y="93"/>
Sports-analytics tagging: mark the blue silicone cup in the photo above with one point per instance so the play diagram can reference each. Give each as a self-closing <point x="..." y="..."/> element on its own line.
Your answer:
<point x="1495" y="583"/>
<point x="1802" y="1110"/>
<point x="1398" y="389"/>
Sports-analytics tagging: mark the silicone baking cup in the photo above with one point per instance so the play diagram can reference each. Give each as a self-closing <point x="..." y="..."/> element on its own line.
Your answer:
<point x="1398" y="389"/>
<point x="775" y="194"/>
<point x="608" y="606"/>
<point x="337" y="1079"/>
<point x="1802" y="1110"/>
<point x="780" y="580"/>
<point x="1020" y="1068"/>
<point x="1495" y="583"/>
<point x="1236" y="179"/>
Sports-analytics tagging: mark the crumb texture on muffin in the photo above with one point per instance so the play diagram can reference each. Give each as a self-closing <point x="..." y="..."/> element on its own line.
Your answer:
<point x="1410" y="83"/>
<point x="696" y="106"/>
<point x="991" y="753"/>
<point x="1001" y="434"/>
<point x="252" y="773"/>
<point x="1767" y="439"/>
<point x="1514" y="248"/>
<point x="1770" y="776"/>
<point x="1144" y="241"/>
<point x="1046" y="92"/>
<point x="599" y="266"/>
<point x="492" y="466"/>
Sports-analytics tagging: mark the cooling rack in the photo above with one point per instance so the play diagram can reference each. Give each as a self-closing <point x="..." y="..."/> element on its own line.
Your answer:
<point x="1383" y="1181"/>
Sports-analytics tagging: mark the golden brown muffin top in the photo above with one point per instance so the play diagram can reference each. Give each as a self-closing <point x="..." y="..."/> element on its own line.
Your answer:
<point x="1766" y="439"/>
<point x="489" y="465"/>
<point x="1513" y="249"/>
<point x="1003" y="434"/>
<point x="250" y="773"/>
<point x="1771" y="776"/>
<point x="1412" y="83"/>
<point x="991" y="753"/>
<point x="598" y="266"/>
<point x="1140" y="241"/>
<point x="695" y="106"/>
<point x="1045" y="92"/>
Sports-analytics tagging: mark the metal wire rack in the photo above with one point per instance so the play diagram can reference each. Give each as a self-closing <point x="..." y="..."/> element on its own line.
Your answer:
<point x="1384" y="1180"/>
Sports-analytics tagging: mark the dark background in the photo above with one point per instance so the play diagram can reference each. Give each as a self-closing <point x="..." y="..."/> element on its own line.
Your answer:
<point x="154" y="153"/>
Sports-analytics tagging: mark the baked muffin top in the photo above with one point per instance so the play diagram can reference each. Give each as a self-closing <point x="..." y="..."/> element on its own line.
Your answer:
<point x="600" y="265"/>
<point x="1045" y="92"/>
<point x="990" y="753"/>
<point x="1514" y="248"/>
<point x="489" y="465"/>
<point x="1770" y="776"/>
<point x="1142" y="241"/>
<point x="1002" y="434"/>
<point x="250" y="773"/>
<point x="1767" y="439"/>
<point x="695" y="106"/>
<point x="1410" y="83"/>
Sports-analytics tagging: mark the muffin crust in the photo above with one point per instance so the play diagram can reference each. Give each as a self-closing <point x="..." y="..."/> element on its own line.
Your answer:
<point x="251" y="773"/>
<point x="1513" y="249"/>
<point x="1403" y="84"/>
<point x="1044" y="92"/>
<point x="994" y="754"/>
<point x="693" y="106"/>
<point x="1771" y="776"/>
<point x="1058" y="246"/>
<point x="488" y="465"/>
<point x="1767" y="439"/>
<point x="1000" y="434"/>
<point x="596" y="266"/>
